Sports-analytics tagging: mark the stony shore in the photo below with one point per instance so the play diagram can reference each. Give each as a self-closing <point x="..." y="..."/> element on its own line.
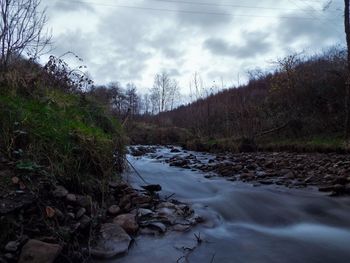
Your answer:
<point x="41" y="221"/>
<point x="327" y="172"/>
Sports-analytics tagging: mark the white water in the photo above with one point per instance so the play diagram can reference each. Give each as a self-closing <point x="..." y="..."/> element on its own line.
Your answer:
<point x="244" y="223"/>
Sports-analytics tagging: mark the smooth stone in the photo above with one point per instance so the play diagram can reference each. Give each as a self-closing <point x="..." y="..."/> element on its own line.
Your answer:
<point x="71" y="198"/>
<point x="113" y="241"/>
<point x="127" y="222"/>
<point x="60" y="192"/>
<point x="35" y="251"/>
<point x="11" y="246"/>
<point x="114" y="210"/>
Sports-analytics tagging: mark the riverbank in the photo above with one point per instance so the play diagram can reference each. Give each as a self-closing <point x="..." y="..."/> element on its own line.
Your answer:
<point x="44" y="222"/>
<point x="327" y="172"/>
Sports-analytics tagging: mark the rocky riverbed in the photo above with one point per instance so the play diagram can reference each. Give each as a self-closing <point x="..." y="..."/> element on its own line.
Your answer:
<point x="42" y="221"/>
<point x="327" y="172"/>
<point x="242" y="221"/>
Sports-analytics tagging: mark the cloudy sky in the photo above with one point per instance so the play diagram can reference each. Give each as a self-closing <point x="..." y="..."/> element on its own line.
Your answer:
<point x="132" y="40"/>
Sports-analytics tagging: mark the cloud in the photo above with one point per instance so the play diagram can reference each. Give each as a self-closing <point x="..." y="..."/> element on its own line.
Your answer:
<point x="254" y="43"/>
<point x="203" y="17"/>
<point x="318" y="30"/>
<point x="71" y="6"/>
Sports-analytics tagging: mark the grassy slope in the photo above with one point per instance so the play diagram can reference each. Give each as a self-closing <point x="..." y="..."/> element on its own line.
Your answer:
<point x="71" y="135"/>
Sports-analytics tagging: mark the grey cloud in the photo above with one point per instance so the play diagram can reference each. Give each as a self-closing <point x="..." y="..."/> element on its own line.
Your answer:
<point x="174" y="72"/>
<point x="167" y="42"/>
<point x="203" y="20"/>
<point x="73" y="41"/>
<point x="254" y="43"/>
<point x="123" y="36"/>
<point x="68" y="6"/>
<point x="317" y="30"/>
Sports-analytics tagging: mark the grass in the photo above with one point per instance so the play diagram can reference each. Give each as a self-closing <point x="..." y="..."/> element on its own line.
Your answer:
<point x="316" y="143"/>
<point x="71" y="135"/>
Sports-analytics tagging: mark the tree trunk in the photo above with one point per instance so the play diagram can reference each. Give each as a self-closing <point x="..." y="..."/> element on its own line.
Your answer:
<point x="347" y="84"/>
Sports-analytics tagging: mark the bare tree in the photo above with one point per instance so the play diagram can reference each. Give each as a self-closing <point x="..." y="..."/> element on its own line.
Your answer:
<point x="22" y="25"/>
<point x="164" y="92"/>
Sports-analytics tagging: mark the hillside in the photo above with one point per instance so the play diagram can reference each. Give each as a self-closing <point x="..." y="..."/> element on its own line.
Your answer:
<point x="299" y="106"/>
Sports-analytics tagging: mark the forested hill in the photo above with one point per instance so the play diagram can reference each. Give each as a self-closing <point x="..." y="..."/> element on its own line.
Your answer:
<point x="302" y="100"/>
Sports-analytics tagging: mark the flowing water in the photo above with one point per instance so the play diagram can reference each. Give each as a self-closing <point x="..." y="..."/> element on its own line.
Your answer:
<point x="243" y="223"/>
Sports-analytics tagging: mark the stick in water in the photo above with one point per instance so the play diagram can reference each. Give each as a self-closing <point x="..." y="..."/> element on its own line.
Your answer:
<point x="138" y="174"/>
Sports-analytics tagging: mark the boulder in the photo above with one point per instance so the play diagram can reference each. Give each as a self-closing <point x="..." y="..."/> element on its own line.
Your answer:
<point x="113" y="241"/>
<point x="39" y="252"/>
<point x="127" y="222"/>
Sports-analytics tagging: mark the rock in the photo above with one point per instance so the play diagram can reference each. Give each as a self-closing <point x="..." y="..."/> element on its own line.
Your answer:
<point x="59" y="214"/>
<point x="160" y="227"/>
<point x="142" y="199"/>
<point x="71" y="215"/>
<point x="80" y="213"/>
<point x="127" y="222"/>
<point x="144" y="212"/>
<point x="261" y="174"/>
<point x="114" y="210"/>
<point x="11" y="246"/>
<point x="60" y="192"/>
<point x="269" y="165"/>
<point x="152" y="188"/>
<point x="125" y="200"/>
<point x="181" y="228"/>
<point x="113" y="241"/>
<point x="72" y="198"/>
<point x="84" y="201"/>
<point x="84" y="221"/>
<point x="15" y="180"/>
<point x="50" y="212"/>
<point x="340" y="180"/>
<point x="39" y="252"/>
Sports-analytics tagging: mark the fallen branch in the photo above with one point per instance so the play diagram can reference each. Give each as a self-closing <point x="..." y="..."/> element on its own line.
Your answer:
<point x="138" y="174"/>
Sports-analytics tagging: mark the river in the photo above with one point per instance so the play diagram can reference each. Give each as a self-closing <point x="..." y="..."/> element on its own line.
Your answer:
<point x="243" y="223"/>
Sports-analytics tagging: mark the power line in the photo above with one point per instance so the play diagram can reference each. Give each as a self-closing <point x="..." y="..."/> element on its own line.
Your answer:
<point x="225" y="5"/>
<point x="316" y="17"/>
<point x="183" y="11"/>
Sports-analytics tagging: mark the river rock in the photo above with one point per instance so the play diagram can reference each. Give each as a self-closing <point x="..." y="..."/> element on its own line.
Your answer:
<point x="35" y="251"/>
<point x="113" y="241"/>
<point x="142" y="199"/>
<point x="72" y="198"/>
<point x="11" y="246"/>
<point x="142" y="212"/>
<point x="60" y="192"/>
<point x="160" y="227"/>
<point x="84" y="201"/>
<point x="114" y="210"/>
<point x="80" y="213"/>
<point x="127" y="222"/>
<point x="84" y="221"/>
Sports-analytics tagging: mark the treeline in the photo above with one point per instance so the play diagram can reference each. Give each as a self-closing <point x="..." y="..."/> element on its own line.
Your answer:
<point x="303" y="97"/>
<point x="126" y="102"/>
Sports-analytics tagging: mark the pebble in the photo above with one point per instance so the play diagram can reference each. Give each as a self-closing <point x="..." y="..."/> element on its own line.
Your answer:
<point x="80" y="212"/>
<point x="60" y="192"/>
<point x="114" y="210"/>
<point x="11" y="246"/>
<point x="71" y="198"/>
